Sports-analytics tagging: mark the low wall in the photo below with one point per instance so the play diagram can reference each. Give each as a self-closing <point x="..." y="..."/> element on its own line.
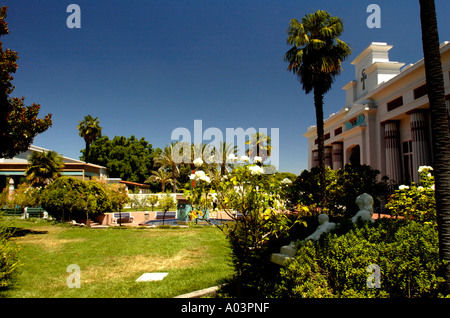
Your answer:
<point x="142" y="216"/>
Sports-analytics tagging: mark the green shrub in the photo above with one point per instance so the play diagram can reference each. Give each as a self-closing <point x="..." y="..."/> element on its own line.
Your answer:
<point x="417" y="201"/>
<point x="9" y="260"/>
<point x="405" y="251"/>
<point x="303" y="277"/>
<point x="71" y="198"/>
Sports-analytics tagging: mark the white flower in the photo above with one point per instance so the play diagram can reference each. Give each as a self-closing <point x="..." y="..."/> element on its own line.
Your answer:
<point x="286" y="181"/>
<point x="432" y="187"/>
<point x="425" y="168"/>
<point x="200" y="175"/>
<point x="403" y="187"/>
<point x="256" y="170"/>
<point x="198" y="162"/>
<point x="245" y="158"/>
<point x="429" y="175"/>
<point x="420" y="189"/>
<point x="257" y="159"/>
<point x="231" y="158"/>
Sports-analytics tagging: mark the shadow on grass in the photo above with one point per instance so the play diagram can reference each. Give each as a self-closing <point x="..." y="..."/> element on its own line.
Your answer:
<point x="19" y="232"/>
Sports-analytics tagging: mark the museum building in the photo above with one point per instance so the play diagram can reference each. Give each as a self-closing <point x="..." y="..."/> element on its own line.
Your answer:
<point x="385" y="122"/>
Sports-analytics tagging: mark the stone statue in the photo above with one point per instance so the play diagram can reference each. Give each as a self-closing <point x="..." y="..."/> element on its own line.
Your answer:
<point x="324" y="227"/>
<point x="365" y="204"/>
<point x="288" y="251"/>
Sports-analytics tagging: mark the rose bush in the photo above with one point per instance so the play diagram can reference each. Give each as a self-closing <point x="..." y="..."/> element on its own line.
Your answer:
<point x="416" y="201"/>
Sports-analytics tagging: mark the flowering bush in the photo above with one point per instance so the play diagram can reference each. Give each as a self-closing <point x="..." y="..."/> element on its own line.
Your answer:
<point x="416" y="201"/>
<point x="254" y="201"/>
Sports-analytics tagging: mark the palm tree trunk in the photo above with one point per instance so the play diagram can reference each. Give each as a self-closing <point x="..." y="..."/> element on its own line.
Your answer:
<point x="86" y="154"/>
<point x="439" y="126"/>
<point x="318" y="103"/>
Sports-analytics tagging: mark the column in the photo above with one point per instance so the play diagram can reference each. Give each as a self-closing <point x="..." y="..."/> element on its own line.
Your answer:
<point x="392" y="146"/>
<point x="338" y="155"/>
<point x="315" y="158"/>
<point x="329" y="157"/>
<point x="420" y="146"/>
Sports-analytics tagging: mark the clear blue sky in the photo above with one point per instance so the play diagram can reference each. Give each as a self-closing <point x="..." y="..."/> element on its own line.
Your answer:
<point x="146" y="67"/>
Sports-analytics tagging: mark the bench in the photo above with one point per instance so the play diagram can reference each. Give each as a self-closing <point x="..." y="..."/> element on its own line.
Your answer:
<point x="169" y="215"/>
<point x="11" y="212"/>
<point x="31" y="212"/>
<point x="123" y="217"/>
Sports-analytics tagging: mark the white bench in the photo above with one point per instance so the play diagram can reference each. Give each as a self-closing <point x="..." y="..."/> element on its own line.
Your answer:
<point x="123" y="217"/>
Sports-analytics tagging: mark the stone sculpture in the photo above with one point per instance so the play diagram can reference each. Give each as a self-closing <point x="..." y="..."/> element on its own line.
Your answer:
<point x="365" y="204"/>
<point x="324" y="227"/>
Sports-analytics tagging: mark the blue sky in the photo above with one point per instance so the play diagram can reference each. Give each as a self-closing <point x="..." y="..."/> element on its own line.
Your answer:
<point x="148" y="67"/>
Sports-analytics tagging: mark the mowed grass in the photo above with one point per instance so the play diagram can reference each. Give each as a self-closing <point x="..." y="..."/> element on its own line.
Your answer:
<point x="111" y="260"/>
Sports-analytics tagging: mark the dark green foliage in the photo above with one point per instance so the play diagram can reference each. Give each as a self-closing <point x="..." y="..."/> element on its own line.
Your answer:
<point x="18" y="123"/>
<point x="343" y="187"/>
<point x="336" y="266"/>
<point x="128" y="158"/>
<point x="71" y="198"/>
<point x="9" y="259"/>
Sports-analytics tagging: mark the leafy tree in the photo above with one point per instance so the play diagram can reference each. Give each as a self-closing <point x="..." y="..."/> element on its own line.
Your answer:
<point x="439" y="126"/>
<point x="166" y="203"/>
<point x="18" y="123"/>
<point x="153" y="200"/>
<point x="90" y="130"/>
<point x="315" y="58"/>
<point x="43" y="168"/>
<point x="72" y="198"/>
<point x="130" y="159"/>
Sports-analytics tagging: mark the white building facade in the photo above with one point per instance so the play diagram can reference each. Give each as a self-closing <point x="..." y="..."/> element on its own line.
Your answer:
<point x="385" y="122"/>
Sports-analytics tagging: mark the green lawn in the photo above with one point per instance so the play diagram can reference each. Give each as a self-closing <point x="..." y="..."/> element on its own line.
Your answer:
<point x="112" y="259"/>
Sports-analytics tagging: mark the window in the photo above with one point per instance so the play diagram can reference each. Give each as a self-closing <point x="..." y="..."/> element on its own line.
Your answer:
<point x="338" y="131"/>
<point x="420" y="91"/>
<point x="395" y="103"/>
<point x="327" y="136"/>
<point x="407" y="161"/>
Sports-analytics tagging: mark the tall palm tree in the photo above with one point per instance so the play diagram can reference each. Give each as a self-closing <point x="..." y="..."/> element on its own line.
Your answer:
<point x="439" y="126"/>
<point x="161" y="176"/>
<point x="89" y="128"/>
<point x="315" y="58"/>
<point x="167" y="159"/>
<point x="259" y="145"/>
<point x="225" y="149"/>
<point x="43" y="168"/>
